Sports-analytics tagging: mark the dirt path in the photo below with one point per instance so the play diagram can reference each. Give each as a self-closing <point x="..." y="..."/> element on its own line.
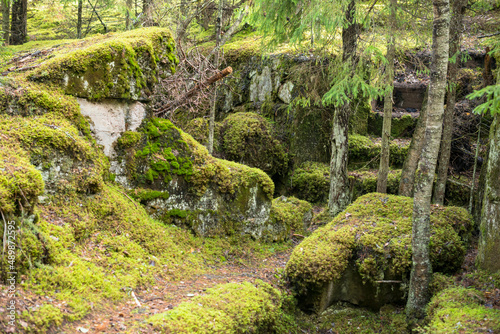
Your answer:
<point x="166" y="295"/>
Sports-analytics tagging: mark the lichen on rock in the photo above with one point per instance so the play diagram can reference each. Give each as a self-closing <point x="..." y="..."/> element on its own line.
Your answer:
<point x="368" y="242"/>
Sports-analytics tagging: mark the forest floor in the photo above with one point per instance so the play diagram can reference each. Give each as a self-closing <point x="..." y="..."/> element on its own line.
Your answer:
<point x="130" y="314"/>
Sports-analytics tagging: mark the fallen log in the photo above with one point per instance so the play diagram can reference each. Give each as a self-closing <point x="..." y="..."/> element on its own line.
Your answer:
<point x="214" y="78"/>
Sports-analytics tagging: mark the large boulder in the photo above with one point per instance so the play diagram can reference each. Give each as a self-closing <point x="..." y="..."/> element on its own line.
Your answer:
<point x="179" y="182"/>
<point x="363" y="256"/>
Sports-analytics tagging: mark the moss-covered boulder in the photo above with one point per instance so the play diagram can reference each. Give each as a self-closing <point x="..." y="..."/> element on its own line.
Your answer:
<point x="121" y="66"/>
<point x="179" y="182"/>
<point x="352" y="257"/>
<point x="402" y="126"/>
<point x="248" y="138"/>
<point x="365" y="151"/>
<point x="227" y="308"/>
<point x="291" y="215"/>
<point x="198" y="129"/>
<point x="462" y="310"/>
<point x="310" y="182"/>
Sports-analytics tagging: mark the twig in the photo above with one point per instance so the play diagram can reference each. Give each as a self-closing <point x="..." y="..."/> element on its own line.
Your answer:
<point x="490" y="35"/>
<point x="298" y="235"/>
<point x="135" y="298"/>
<point x="129" y="198"/>
<point x="388" y="281"/>
<point x="214" y="78"/>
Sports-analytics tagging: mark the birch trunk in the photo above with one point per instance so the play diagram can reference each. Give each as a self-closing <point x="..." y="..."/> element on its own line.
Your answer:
<point x="339" y="195"/>
<point x="383" y="170"/>
<point x="458" y="8"/>
<point x="410" y="165"/>
<point x="489" y="238"/>
<point x="418" y="295"/>
<point x="211" y="122"/>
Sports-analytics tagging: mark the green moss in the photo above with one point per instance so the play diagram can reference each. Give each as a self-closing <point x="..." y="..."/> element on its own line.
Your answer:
<point x="43" y="318"/>
<point x="376" y="230"/>
<point x="461" y="310"/>
<point x="291" y="214"/>
<point x="247" y="137"/>
<point x="311" y="182"/>
<point x="113" y="66"/>
<point x="400" y="126"/>
<point x="198" y="129"/>
<point x="20" y="182"/>
<point x="228" y="308"/>
<point x="365" y="152"/>
<point x="342" y="318"/>
<point x="143" y="195"/>
<point x="366" y="182"/>
<point x="128" y="139"/>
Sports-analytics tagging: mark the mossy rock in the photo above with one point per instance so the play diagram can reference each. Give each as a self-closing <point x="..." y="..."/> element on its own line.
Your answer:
<point x="401" y="127"/>
<point x="461" y="310"/>
<point x="122" y="66"/>
<point x="365" y="182"/>
<point x="247" y="138"/>
<point x="227" y="308"/>
<point x="365" y="152"/>
<point x="290" y="215"/>
<point x="368" y="242"/>
<point x="181" y="183"/>
<point x="346" y="318"/>
<point x="310" y="182"/>
<point x="20" y="182"/>
<point x="198" y="129"/>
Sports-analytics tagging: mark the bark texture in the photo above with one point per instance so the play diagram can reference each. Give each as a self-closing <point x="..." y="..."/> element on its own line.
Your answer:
<point x="79" y="20"/>
<point x="457" y="11"/>
<point x="339" y="195"/>
<point x="218" y="33"/>
<point x="489" y="239"/>
<point x="19" y="20"/>
<point x="5" y="20"/>
<point x="386" y="127"/>
<point x="418" y="295"/>
<point x="410" y="165"/>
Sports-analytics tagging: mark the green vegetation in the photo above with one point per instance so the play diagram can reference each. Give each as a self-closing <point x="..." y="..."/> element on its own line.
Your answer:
<point x="228" y="308"/>
<point x="290" y="214"/>
<point x="247" y="137"/>
<point x="376" y="230"/>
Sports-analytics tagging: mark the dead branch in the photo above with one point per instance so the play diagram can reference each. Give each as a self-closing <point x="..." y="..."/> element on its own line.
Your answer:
<point x="214" y="78"/>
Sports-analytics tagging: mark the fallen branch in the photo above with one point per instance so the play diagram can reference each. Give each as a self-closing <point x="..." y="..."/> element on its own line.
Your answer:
<point x="490" y="35"/>
<point x="388" y="281"/>
<point x="214" y="78"/>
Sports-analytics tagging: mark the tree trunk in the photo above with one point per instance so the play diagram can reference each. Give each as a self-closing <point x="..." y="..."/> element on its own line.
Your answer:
<point x="413" y="156"/>
<point x="218" y="33"/>
<point x="128" y="21"/>
<point x="386" y="128"/>
<point x="5" y="20"/>
<point x="18" y="27"/>
<point x="458" y="8"/>
<point x="339" y="195"/>
<point x="418" y="295"/>
<point x="79" y="20"/>
<point x="489" y="239"/>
